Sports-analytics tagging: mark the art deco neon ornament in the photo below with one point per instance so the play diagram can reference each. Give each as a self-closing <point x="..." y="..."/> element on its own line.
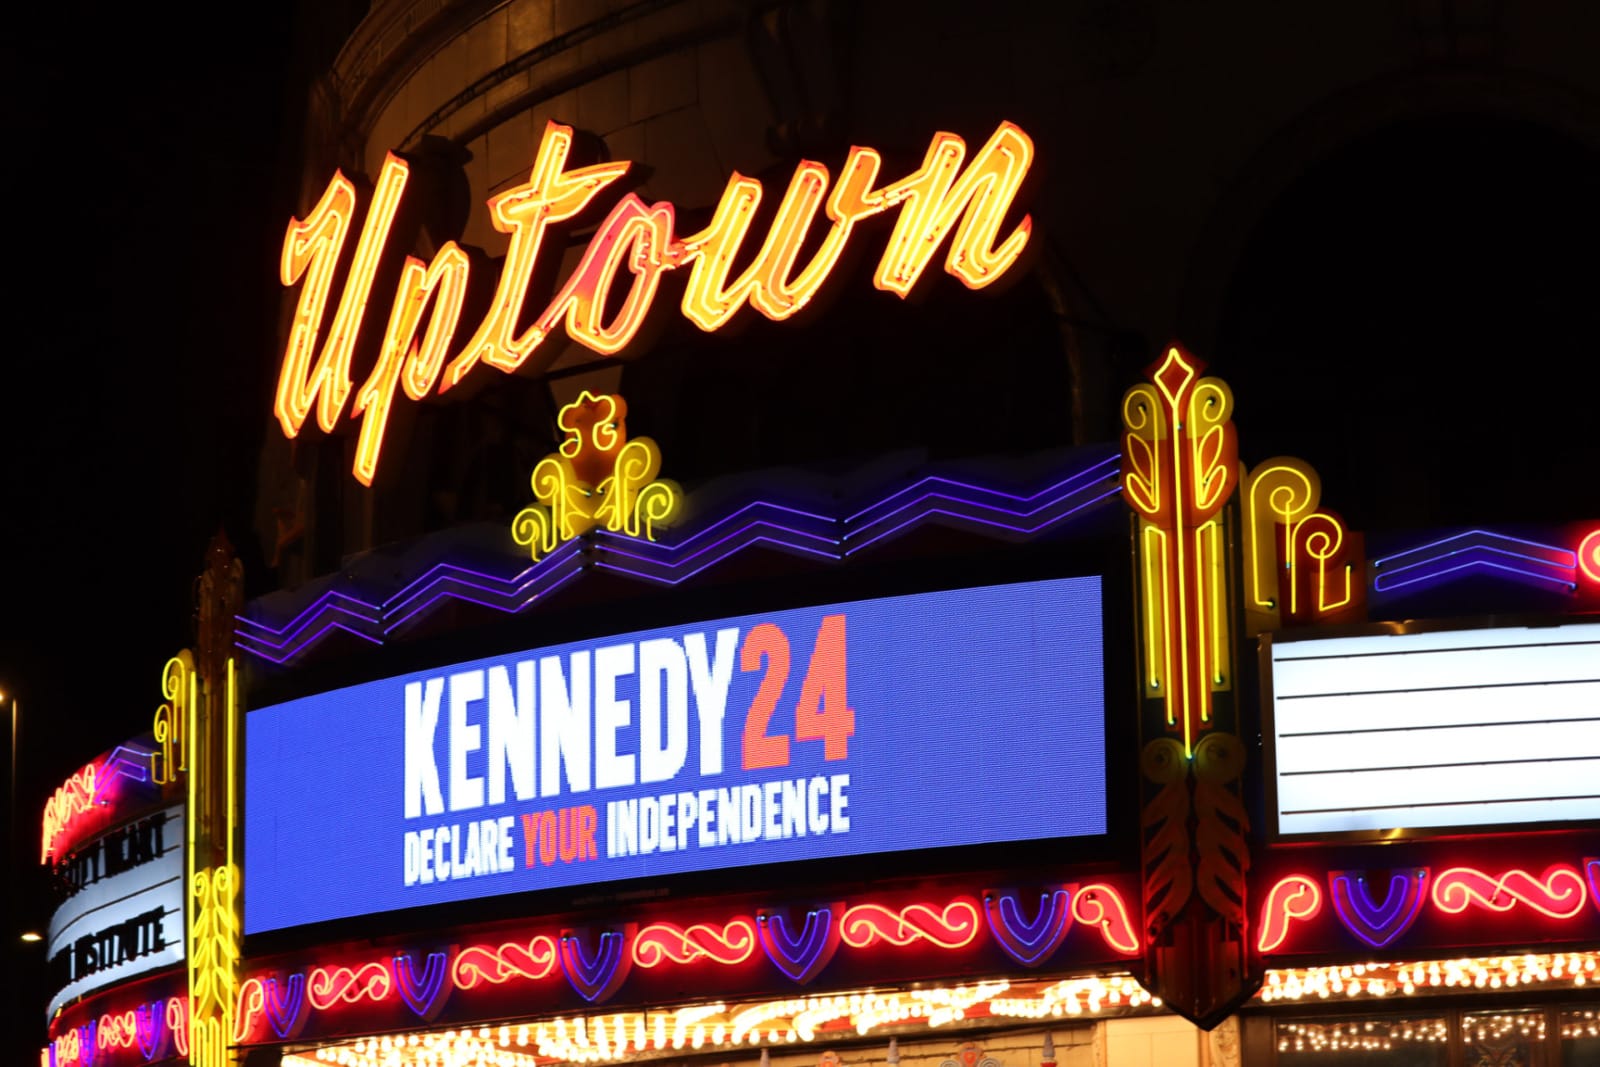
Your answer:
<point x="598" y="478"/>
<point x="635" y="245"/>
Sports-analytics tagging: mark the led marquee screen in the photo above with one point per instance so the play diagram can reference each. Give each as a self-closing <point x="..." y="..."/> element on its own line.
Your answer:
<point x="913" y="722"/>
<point x="1436" y="729"/>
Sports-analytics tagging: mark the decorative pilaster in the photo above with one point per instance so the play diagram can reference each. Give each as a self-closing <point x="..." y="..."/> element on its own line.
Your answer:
<point x="1179" y="471"/>
<point x="212" y="734"/>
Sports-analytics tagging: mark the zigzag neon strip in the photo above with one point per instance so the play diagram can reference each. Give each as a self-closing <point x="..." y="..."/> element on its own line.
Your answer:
<point x="1560" y="894"/>
<point x="1477" y="551"/>
<point x="932" y="499"/>
<point x="85" y="790"/>
<point x="954" y="926"/>
<point x="662" y="942"/>
<point x="477" y="964"/>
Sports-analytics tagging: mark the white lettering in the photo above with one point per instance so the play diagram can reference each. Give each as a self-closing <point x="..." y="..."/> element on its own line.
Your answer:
<point x="511" y="732"/>
<point x="422" y="773"/>
<point x="610" y="715"/>
<point x="563" y="725"/>
<point x="711" y="681"/>
<point x="466" y="792"/>
<point x="661" y="662"/>
<point x="649" y="825"/>
<point x="814" y="817"/>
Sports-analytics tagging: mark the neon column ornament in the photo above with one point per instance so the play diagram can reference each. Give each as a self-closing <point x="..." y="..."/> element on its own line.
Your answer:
<point x="178" y="686"/>
<point x="598" y="477"/>
<point x="1179" y="470"/>
<point x="212" y="737"/>
<point x="1301" y="562"/>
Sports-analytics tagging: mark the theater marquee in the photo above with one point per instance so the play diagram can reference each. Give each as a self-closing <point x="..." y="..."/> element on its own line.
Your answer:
<point x="815" y="733"/>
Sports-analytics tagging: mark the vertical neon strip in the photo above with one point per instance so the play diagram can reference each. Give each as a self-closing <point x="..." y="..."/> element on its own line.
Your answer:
<point x="1177" y="564"/>
<point x="232" y="769"/>
<point x="192" y="820"/>
<point x="1218" y="587"/>
<point x="1158" y="650"/>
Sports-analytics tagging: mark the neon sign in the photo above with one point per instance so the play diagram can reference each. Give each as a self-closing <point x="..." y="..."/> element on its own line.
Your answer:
<point x="1292" y="898"/>
<point x="1560" y="893"/>
<point x="598" y="477"/>
<point x="1378" y="907"/>
<point x="635" y="245"/>
<point x="70" y="813"/>
<point x="597" y="961"/>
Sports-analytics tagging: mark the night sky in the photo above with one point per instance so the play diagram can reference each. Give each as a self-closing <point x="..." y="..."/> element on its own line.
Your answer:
<point x="150" y="172"/>
<point x="144" y="176"/>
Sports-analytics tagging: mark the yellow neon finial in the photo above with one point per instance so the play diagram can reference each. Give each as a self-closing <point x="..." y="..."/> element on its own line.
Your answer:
<point x="597" y="477"/>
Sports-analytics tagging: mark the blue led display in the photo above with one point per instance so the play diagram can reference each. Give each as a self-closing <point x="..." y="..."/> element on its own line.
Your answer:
<point x="912" y="722"/>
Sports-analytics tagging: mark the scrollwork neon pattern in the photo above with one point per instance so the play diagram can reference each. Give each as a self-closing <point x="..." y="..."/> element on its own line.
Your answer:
<point x="213" y="955"/>
<point x="179" y="689"/>
<point x="250" y="1010"/>
<point x="477" y="964"/>
<point x="1100" y="907"/>
<point x="1589" y="556"/>
<point x="729" y="945"/>
<point x="328" y="986"/>
<point x="951" y="927"/>
<point x="178" y="1024"/>
<point x="1560" y="893"/>
<point x="1294" y="898"/>
<point x="1287" y="535"/>
<point x="598" y="477"/>
<point x="117" y="1030"/>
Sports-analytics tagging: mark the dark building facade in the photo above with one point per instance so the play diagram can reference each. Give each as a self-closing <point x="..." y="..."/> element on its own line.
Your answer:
<point x="783" y="544"/>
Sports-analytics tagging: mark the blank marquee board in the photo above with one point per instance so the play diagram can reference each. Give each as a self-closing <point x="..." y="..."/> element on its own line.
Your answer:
<point x="1439" y="729"/>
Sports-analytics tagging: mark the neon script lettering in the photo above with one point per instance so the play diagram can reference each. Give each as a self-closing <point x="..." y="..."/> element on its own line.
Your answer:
<point x="636" y="243"/>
